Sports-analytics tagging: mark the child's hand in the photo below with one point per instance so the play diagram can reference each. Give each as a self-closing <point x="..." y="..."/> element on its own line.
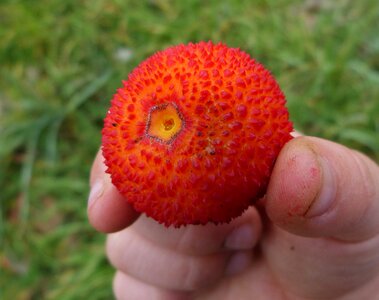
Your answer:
<point x="320" y="236"/>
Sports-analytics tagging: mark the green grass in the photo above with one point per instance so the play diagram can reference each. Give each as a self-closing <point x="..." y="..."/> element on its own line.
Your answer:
<point x="60" y="63"/>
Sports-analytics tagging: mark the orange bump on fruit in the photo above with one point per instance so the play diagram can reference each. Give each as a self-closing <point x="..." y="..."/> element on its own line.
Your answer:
<point x="193" y="134"/>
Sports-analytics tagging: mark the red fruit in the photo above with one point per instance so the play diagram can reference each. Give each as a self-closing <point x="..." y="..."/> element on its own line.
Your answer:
<point x="194" y="133"/>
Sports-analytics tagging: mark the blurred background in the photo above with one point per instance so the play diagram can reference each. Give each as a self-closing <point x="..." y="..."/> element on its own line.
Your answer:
<point x="60" y="63"/>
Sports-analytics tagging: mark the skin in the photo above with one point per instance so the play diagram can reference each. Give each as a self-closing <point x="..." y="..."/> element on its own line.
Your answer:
<point x="315" y="235"/>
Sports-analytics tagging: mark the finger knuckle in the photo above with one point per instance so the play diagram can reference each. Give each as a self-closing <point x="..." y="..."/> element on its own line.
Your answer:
<point x="197" y="273"/>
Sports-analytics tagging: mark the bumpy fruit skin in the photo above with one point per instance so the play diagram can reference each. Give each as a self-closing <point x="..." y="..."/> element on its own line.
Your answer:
<point x="193" y="134"/>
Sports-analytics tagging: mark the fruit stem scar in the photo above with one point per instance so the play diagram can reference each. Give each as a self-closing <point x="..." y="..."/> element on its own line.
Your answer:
<point x="164" y="123"/>
<point x="168" y="124"/>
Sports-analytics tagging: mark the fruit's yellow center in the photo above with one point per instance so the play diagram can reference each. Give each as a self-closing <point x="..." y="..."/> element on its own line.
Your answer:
<point x="164" y="122"/>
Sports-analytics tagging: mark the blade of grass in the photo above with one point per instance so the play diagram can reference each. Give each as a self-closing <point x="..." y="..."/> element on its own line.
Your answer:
<point x="85" y="94"/>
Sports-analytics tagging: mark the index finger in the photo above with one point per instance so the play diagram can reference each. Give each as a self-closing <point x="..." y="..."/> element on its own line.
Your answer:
<point x="108" y="211"/>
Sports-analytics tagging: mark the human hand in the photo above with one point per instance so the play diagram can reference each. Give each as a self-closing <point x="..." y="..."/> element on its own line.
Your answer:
<point x="314" y="236"/>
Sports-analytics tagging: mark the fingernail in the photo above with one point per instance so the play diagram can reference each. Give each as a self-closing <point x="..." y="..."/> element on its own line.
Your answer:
<point x="325" y="198"/>
<point x="238" y="263"/>
<point x="96" y="191"/>
<point x="241" y="238"/>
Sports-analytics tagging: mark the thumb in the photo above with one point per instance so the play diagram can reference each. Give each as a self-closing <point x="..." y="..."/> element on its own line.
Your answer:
<point x="108" y="211"/>
<point x="322" y="189"/>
